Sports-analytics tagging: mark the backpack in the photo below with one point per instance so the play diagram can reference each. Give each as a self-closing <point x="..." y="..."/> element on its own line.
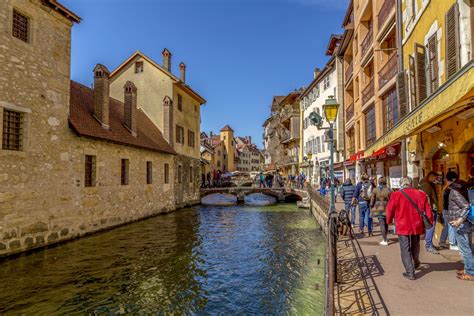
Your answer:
<point x="366" y="191"/>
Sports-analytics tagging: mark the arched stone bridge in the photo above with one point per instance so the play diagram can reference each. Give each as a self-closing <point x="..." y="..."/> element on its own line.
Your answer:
<point x="281" y="194"/>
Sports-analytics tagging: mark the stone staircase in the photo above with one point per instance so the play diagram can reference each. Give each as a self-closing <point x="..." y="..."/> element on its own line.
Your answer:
<point x="305" y="202"/>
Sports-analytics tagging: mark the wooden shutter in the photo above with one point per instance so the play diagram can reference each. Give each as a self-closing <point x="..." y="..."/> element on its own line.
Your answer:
<point x="412" y="80"/>
<point x="402" y="94"/>
<point x="452" y="41"/>
<point x="420" y="74"/>
<point x="433" y="62"/>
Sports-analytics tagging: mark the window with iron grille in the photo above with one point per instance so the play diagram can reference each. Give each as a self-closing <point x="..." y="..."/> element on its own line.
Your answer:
<point x="167" y="173"/>
<point x="149" y="172"/>
<point x="370" y="135"/>
<point x="190" y="138"/>
<point x="12" y="136"/>
<point x="139" y="67"/>
<point x="191" y="174"/>
<point x="21" y="26"/>
<point x="390" y="109"/>
<point x="90" y="171"/>
<point x="180" y="102"/>
<point x="124" y="179"/>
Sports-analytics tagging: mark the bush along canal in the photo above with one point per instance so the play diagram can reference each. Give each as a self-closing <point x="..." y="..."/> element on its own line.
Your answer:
<point x="200" y="260"/>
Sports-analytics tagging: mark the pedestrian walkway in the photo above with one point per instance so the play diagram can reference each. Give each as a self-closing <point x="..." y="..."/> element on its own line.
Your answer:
<point x="371" y="281"/>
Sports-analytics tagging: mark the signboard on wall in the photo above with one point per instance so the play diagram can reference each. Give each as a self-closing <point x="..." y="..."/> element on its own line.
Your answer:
<point x="395" y="174"/>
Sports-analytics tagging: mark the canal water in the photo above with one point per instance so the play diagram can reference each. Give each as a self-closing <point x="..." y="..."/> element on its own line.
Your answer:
<point x="201" y="260"/>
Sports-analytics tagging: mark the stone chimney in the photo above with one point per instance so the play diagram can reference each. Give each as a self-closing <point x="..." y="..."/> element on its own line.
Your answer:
<point x="317" y="71"/>
<point x="130" y="107"/>
<point x="182" y="69"/>
<point x="166" y="59"/>
<point x="101" y="95"/>
<point x="168" y="123"/>
<point x="249" y="139"/>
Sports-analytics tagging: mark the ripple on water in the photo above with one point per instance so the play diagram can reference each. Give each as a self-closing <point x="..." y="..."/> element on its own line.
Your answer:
<point x="202" y="260"/>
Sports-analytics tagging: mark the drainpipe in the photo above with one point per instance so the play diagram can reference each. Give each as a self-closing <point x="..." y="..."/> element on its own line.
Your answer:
<point x="398" y="19"/>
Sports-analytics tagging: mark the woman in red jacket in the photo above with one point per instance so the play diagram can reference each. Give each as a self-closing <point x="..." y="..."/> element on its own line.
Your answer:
<point x="409" y="222"/>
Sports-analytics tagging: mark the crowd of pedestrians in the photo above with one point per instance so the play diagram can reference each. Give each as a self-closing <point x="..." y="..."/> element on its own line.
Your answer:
<point x="413" y="211"/>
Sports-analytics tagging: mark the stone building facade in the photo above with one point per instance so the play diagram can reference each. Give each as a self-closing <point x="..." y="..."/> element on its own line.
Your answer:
<point x="73" y="160"/>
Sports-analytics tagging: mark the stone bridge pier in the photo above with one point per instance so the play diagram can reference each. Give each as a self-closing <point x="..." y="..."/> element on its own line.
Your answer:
<point x="281" y="194"/>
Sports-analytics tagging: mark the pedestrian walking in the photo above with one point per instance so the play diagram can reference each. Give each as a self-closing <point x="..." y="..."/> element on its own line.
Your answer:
<point x="347" y="195"/>
<point x="458" y="212"/>
<point x="427" y="185"/>
<point x="407" y="207"/>
<point x="362" y="198"/>
<point x="378" y="204"/>
<point x="261" y="179"/>
<point x="208" y="176"/>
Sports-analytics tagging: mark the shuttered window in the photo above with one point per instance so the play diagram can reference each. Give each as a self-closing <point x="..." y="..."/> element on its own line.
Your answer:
<point x="179" y="134"/>
<point x="412" y="78"/>
<point x="400" y="97"/>
<point x="433" y="63"/>
<point x="452" y="41"/>
<point x="420" y="73"/>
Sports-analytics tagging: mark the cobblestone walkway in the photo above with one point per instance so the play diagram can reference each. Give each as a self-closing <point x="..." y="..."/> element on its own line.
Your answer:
<point x="375" y="286"/>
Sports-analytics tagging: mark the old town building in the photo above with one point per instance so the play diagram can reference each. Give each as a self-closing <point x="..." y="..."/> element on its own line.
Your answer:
<point x="73" y="159"/>
<point x="248" y="157"/>
<point x="316" y="151"/>
<point x="223" y="145"/>
<point x="273" y="148"/>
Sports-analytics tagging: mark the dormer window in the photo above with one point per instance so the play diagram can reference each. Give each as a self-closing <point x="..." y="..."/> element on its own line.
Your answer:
<point x="21" y="26"/>
<point x="139" y="67"/>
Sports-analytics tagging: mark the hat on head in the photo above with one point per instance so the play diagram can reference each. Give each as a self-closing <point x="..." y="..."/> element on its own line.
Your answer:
<point x="452" y="176"/>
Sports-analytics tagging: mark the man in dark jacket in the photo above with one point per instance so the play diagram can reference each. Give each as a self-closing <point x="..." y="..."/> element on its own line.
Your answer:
<point x="427" y="185"/>
<point x="362" y="197"/>
<point x="409" y="222"/>
<point x="347" y="194"/>
<point x="458" y="210"/>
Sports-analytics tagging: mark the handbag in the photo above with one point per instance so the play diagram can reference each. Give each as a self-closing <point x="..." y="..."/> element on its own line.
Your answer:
<point x="426" y="220"/>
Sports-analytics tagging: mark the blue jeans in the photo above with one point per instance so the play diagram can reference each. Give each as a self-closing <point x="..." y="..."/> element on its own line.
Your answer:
<point x="463" y="238"/>
<point x="447" y="232"/>
<point x="352" y="208"/>
<point x="430" y="233"/>
<point x="364" y="216"/>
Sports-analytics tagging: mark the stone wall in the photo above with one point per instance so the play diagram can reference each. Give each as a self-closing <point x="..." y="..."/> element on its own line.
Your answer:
<point x="43" y="199"/>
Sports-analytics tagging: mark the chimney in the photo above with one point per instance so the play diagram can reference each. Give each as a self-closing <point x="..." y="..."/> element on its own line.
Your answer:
<point x="250" y="140"/>
<point x="182" y="69"/>
<point x="317" y="71"/>
<point x="168" y="119"/>
<point x="101" y="95"/>
<point x="166" y="59"/>
<point x="130" y="107"/>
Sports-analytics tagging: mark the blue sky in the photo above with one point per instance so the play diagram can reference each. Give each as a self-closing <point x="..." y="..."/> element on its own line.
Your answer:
<point x="239" y="53"/>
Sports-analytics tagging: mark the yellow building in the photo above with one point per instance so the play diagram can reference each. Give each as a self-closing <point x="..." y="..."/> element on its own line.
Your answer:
<point x="179" y="120"/>
<point x="436" y="88"/>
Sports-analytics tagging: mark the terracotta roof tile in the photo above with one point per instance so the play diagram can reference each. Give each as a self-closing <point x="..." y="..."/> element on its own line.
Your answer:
<point x="84" y="124"/>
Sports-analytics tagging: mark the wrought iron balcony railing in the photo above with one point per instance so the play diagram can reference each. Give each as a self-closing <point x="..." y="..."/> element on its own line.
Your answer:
<point x="388" y="71"/>
<point x="350" y="112"/>
<point x="368" y="92"/>
<point x="349" y="71"/>
<point x="367" y="42"/>
<point x="385" y="10"/>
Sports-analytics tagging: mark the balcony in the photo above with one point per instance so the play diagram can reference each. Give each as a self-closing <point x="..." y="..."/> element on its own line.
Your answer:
<point x="388" y="71"/>
<point x="286" y="137"/>
<point x="288" y="113"/>
<point x="287" y="160"/>
<point x="368" y="92"/>
<point x="349" y="71"/>
<point x="367" y="42"/>
<point x="384" y="12"/>
<point x="350" y="112"/>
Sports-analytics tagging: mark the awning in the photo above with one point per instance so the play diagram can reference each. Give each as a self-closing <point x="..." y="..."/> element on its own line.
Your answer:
<point x="357" y="156"/>
<point x="454" y="93"/>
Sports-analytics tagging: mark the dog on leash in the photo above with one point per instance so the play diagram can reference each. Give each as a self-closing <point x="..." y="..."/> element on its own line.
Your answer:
<point x="343" y="223"/>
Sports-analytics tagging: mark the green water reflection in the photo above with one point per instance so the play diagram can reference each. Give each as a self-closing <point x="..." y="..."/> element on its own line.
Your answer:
<point x="202" y="260"/>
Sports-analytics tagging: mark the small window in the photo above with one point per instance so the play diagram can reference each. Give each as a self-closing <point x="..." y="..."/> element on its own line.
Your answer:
<point x="139" y="67"/>
<point x="12" y="138"/>
<point x="21" y="26"/>
<point x="191" y="174"/>
<point x="149" y="172"/>
<point x="180" y="102"/>
<point x="190" y="138"/>
<point x="90" y="171"/>
<point x="179" y="134"/>
<point x="180" y="174"/>
<point x="195" y="108"/>
<point x="167" y="173"/>
<point x="124" y="179"/>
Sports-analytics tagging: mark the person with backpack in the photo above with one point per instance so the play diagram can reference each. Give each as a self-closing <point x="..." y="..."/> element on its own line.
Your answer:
<point x="362" y="198"/>
<point x="378" y="203"/>
<point x="410" y="209"/>
<point x="347" y="195"/>
<point x="427" y="185"/>
<point x="458" y="216"/>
